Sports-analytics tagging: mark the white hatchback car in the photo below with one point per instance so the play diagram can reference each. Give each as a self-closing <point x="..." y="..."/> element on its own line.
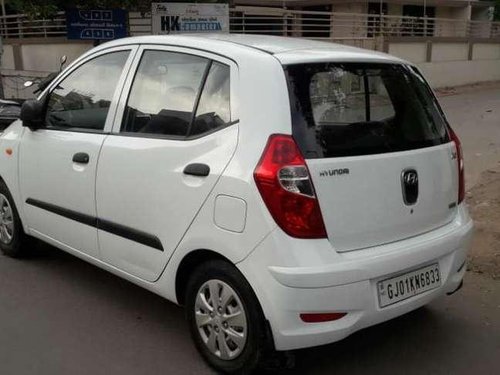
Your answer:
<point x="287" y="192"/>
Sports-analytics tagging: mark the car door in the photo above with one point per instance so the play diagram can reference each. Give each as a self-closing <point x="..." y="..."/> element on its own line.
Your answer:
<point x="174" y="134"/>
<point x="57" y="163"/>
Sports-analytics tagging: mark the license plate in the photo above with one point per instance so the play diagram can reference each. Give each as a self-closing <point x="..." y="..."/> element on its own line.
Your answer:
<point x="399" y="288"/>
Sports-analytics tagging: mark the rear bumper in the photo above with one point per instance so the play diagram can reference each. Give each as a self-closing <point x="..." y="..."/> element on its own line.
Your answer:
<point x="306" y="276"/>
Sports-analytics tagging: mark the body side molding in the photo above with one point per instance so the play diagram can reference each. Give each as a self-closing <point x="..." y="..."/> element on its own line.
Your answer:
<point x="105" y="225"/>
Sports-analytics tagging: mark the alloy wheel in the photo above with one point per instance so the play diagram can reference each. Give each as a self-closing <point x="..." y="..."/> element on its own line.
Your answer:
<point x="221" y="319"/>
<point x="6" y="220"/>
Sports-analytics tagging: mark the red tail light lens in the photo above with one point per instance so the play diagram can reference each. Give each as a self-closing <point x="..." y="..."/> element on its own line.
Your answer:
<point x="460" y="163"/>
<point x="285" y="185"/>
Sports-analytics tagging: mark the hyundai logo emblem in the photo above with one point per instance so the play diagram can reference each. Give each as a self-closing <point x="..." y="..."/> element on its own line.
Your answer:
<point x="411" y="178"/>
<point x="409" y="184"/>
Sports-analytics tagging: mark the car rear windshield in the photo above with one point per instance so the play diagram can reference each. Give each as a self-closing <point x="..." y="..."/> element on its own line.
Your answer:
<point x="350" y="109"/>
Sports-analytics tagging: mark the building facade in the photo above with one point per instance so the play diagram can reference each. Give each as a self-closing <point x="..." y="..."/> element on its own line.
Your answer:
<point x="332" y="19"/>
<point x="454" y="42"/>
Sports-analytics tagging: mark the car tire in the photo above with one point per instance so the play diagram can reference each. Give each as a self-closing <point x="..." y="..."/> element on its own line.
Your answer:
<point x="13" y="241"/>
<point x="212" y="333"/>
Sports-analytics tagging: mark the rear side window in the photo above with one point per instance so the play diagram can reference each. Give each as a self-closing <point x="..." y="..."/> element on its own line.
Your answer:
<point x="178" y="95"/>
<point x="213" y="110"/>
<point x="164" y="93"/>
<point x="360" y="109"/>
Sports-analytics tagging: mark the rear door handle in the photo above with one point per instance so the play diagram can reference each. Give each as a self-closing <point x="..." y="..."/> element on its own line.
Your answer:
<point x="197" y="169"/>
<point x="81" y="158"/>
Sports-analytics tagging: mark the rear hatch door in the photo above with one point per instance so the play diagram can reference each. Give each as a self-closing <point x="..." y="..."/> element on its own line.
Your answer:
<point x="378" y="150"/>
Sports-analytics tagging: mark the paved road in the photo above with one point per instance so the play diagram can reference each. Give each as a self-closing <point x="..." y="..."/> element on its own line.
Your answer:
<point x="61" y="316"/>
<point x="475" y="115"/>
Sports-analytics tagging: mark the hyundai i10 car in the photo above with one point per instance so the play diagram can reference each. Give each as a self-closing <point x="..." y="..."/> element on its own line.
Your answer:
<point x="286" y="192"/>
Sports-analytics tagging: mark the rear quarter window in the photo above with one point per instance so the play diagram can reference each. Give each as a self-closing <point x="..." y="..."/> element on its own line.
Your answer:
<point x="350" y="109"/>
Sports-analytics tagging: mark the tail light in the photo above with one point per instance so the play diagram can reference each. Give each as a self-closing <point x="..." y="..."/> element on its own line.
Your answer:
<point x="460" y="163"/>
<point x="285" y="185"/>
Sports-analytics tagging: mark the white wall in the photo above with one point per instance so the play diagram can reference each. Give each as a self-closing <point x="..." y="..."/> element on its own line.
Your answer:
<point x="456" y="73"/>
<point x="38" y="56"/>
<point x="450" y="64"/>
<point x="351" y="24"/>
<point x="46" y="57"/>
<point x="451" y="21"/>
<point x="35" y="59"/>
<point x="8" y="57"/>
<point x="414" y="52"/>
<point x="443" y="27"/>
<point x="463" y="13"/>
<point x="486" y="51"/>
<point x="442" y="52"/>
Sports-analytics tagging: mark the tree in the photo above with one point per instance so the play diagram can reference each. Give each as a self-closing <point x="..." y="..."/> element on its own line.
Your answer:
<point x="48" y="8"/>
<point x="496" y="12"/>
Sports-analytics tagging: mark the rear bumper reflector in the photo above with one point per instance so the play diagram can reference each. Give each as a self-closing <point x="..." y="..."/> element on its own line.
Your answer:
<point x="321" y="317"/>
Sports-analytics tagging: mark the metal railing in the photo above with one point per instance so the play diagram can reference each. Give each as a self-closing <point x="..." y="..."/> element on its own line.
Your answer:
<point x="22" y="26"/>
<point x="274" y="21"/>
<point x="327" y="25"/>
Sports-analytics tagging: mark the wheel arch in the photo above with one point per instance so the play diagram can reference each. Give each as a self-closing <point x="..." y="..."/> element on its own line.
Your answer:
<point x="190" y="261"/>
<point x="14" y="195"/>
<point x="197" y="257"/>
<point x="10" y="148"/>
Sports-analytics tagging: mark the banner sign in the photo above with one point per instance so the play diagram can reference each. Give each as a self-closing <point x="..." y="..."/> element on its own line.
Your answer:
<point x="174" y="18"/>
<point x="96" y="24"/>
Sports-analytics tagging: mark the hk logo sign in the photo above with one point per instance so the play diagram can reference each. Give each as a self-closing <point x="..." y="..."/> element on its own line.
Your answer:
<point x="170" y="23"/>
<point x="172" y="18"/>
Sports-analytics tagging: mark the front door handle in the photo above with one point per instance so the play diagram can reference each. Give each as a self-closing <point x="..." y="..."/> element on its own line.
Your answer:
<point x="197" y="169"/>
<point x="81" y="158"/>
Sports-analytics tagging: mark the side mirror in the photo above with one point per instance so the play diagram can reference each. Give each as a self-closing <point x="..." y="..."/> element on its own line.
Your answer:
<point x="32" y="114"/>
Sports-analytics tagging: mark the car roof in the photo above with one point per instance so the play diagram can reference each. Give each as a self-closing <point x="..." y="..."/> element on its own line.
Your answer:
<point x="286" y="49"/>
<point x="275" y="44"/>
